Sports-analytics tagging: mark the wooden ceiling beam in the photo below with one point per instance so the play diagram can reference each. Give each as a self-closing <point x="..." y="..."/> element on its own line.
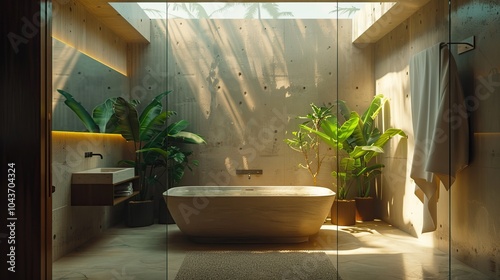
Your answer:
<point x="130" y="29"/>
<point x="376" y="20"/>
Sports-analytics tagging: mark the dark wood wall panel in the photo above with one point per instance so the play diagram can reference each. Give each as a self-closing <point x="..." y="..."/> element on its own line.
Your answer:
<point x="24" y="140"/>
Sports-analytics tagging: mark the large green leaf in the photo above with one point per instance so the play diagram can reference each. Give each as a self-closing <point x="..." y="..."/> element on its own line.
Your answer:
<point x="348" y="164"/>
<point x="153" y="104"/>
<point x="374" y="136"/>
<point x="368" y="169"/>
<point x="375" y="106"/>
<point x="333" y="135"/>
<point x="360" y="151"/>
<point x="189" y="137"/>
<point x="159" y="151"/>
<point x="153" y="127"/>
<point x="344" y="109"/>
<point x="328" y="139"/>
<point x="82" y="114"/>
<point x="103" y="113"/>
<point x="368" y="152"/>
<point x="177" y="127"/>
<point x="330" y="127"/>
<point x="128" y="122"/>
<point x="149" y="120"/>
<point x="170" y="130"/>
<point x="382" y="140"/>
<point x="356" y="138"/>
<point x="146" y="118"/>
<point x="370" y="114"/>
<point x="157" y="140"/>
<point x="348" y="127"/>
<point x="112" y="124"/>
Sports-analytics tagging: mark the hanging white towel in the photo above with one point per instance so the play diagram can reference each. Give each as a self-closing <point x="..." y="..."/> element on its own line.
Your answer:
<point x="441" y="130"/>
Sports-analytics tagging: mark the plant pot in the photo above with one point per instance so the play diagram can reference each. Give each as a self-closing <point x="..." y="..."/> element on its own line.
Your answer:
<point x="140" y="213"/>
<point x="365" y="208"/>
<point x="344" y="212"/>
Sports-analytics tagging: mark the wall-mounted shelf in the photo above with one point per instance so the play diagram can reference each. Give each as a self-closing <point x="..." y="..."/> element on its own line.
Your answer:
<point x="100" y="194"/>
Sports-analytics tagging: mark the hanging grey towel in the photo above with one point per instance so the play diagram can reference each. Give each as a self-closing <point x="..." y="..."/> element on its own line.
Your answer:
<point x="440" y="128"/>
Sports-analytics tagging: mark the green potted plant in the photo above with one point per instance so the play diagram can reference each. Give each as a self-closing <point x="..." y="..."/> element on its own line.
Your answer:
<point x="176" y="164"/>
<point x="309" y="144"/>
<point x="157" y="144"/>
<point x="364" y="143"/>
<point x="334" y="135"/>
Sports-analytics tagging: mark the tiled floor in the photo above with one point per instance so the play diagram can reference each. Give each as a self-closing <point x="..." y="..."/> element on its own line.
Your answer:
<point x="372" y="250"/>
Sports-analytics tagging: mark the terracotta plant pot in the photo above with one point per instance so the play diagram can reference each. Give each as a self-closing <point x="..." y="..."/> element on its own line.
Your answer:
<point x="365" y="208"/>
<point x="344" y="212"/>
<point x="140" y="213"/>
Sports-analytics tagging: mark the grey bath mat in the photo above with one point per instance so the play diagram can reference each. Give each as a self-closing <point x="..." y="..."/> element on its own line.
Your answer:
<point x="256" y="265"/>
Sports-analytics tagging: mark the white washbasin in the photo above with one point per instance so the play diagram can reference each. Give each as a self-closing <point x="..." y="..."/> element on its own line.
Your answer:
<point x="106" y="175"/>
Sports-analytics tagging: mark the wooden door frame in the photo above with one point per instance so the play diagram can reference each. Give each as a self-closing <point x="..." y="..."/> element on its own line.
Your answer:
<point x="46" y="140"/>
<point x="25" y="128"/>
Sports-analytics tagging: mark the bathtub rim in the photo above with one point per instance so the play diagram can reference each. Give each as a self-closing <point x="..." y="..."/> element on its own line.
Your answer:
<point x="316" y="191"/>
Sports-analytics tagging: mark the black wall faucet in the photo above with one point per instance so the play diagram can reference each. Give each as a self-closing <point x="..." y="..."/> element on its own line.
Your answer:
<point x="91" y="154"/>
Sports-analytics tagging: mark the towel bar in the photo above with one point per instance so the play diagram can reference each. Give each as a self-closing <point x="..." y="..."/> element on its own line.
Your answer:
<point x="466" y="45"/>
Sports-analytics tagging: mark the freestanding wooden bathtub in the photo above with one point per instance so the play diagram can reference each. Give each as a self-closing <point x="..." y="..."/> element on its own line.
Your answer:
<point x="249" y="214"/>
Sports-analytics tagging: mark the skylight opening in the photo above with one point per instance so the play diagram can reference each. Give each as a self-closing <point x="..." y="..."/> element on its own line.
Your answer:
<point x="225" y="10"/>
